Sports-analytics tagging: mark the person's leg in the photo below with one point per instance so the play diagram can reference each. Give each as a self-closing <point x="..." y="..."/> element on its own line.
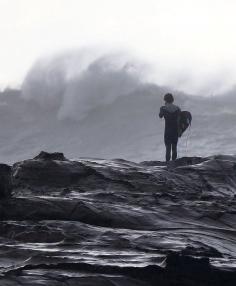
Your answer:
<point x="174" y="151"/>
<point x="168" y="151"/>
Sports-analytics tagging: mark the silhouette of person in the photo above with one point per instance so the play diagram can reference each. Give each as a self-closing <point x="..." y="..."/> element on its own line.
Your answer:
<point x="171" y="113"/>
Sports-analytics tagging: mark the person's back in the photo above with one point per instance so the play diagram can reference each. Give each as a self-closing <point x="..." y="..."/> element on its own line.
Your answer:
<point x="170" y="112"/>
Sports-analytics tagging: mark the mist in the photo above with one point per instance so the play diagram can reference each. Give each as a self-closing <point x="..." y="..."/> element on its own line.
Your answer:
<point x="64" y="80"/>
<point x="76" y="83"/>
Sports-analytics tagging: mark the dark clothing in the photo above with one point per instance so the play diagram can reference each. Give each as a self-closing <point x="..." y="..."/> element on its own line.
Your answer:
<point x="171" y="114"/>
<point x="168" y="151"/>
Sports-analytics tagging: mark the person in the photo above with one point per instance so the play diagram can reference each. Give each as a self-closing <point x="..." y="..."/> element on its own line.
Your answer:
<point x="171" y="113"/>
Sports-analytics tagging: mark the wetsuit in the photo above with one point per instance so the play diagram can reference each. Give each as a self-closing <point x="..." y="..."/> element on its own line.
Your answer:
<point x="171" y="114"/>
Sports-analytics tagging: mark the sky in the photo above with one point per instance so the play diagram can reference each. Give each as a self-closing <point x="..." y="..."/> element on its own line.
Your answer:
<point x="188" y="44"/>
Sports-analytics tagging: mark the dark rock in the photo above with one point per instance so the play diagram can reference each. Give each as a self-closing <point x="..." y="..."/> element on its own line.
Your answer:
<point x="50" y="156"/>
<point x="114" y="221"/>
<point x="183" y="263"/>
<point x="184" y="161"/>
<point x="5" y="181"/>
<point x="49" y="170"/>
<point x="201" y="251"/>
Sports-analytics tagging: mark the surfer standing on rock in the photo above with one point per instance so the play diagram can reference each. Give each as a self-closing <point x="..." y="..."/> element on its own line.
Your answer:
<point x="171" y="114"/>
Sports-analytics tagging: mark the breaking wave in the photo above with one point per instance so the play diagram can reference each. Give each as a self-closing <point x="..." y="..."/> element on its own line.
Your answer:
<point x="76" y="83"/>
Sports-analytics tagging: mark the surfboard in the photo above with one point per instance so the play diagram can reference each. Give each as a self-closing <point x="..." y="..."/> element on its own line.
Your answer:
<point x="185" y="119"/>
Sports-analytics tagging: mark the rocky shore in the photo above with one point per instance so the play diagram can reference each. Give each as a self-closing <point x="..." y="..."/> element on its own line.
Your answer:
<point x="116" y="222"/>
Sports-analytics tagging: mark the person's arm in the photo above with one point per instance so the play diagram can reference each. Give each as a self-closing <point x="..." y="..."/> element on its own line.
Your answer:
<point x="161" y="113"/>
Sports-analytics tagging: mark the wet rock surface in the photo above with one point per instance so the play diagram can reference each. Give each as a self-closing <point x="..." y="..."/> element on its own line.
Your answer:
<point x="115" y="222"/>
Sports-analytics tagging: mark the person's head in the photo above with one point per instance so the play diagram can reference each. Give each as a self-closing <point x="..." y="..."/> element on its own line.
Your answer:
<point x="169" y="98"/>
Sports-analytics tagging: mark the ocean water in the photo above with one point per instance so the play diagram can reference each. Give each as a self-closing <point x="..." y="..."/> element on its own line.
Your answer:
<point x="128" y="127"/>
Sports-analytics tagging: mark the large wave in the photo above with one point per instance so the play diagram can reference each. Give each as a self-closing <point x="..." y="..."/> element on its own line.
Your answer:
<point x="78" y="82"/>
